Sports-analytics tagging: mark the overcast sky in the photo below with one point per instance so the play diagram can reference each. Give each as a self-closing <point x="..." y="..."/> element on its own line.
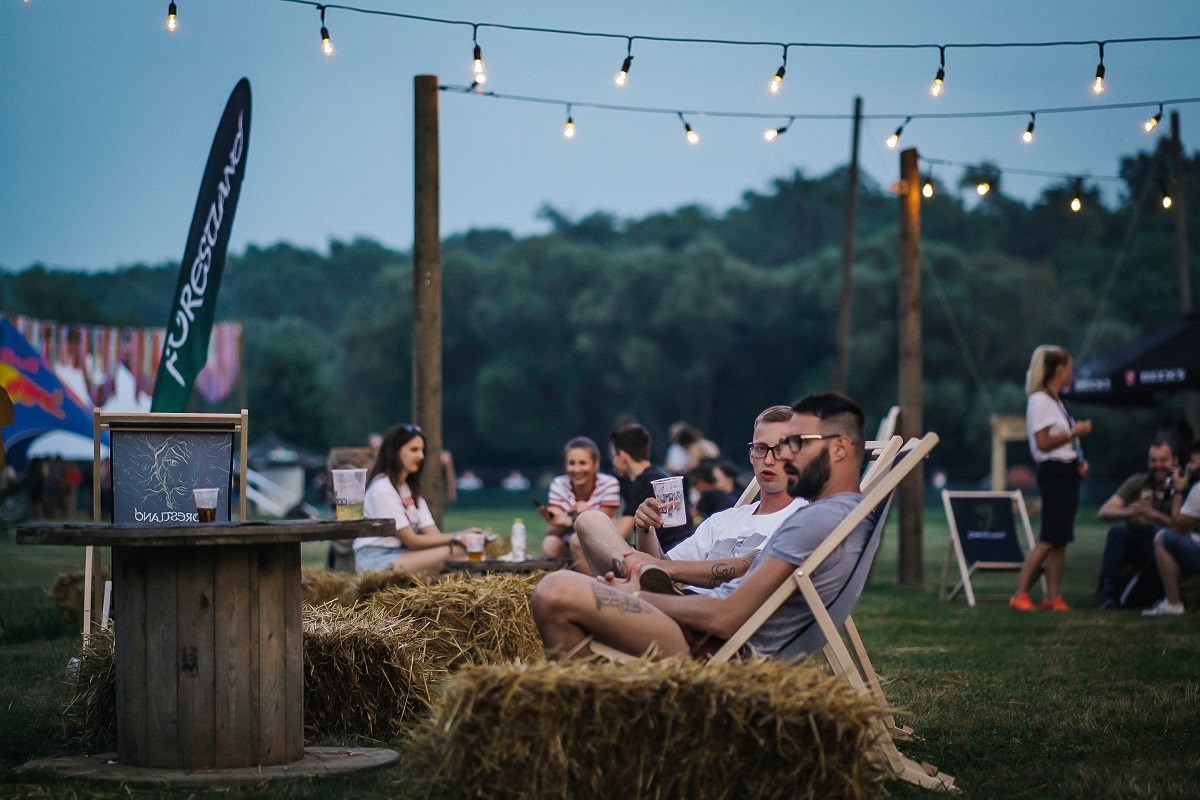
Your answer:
<point x="106" y="118"/>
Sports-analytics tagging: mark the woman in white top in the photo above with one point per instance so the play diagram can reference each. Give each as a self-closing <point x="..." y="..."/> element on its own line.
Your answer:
<point x="394" y="493"/>
<point x="1054" y="441"/>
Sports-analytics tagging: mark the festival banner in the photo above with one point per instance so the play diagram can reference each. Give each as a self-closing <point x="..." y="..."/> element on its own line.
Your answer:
<point x="189" y="326"/>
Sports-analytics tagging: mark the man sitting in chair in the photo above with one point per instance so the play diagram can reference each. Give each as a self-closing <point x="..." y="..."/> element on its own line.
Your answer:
<point x="725" y="544"/>
<point x="822" y="456"/>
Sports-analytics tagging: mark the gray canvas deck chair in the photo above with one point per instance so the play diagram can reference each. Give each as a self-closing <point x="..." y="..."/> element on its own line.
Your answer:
<point x="823" y="632"/>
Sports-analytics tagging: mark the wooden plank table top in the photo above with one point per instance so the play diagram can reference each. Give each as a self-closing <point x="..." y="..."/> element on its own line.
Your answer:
<point x="202" y="534"/>
<point x="500" y="565"/>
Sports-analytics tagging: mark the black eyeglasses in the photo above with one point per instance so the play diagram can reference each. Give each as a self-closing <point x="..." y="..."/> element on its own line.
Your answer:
<point x="795" y="443"/>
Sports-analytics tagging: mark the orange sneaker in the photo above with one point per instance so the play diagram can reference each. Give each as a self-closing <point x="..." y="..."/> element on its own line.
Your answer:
<point x="1057" y="604"/>
<point x="1021" y="602"/>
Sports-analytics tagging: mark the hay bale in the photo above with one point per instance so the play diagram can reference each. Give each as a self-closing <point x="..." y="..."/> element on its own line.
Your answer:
<point x="67" y="594"/>
<point x="90" y="715"/>
<point x="652" y="730"/>
<point x="366" y="672"/>
<point x="319" y="586"/>
<point x="368" y="584"/>
<point x="479" y="619"/>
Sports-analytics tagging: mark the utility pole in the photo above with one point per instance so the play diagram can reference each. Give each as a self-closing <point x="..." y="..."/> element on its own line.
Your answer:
<point x="1179" y="196"/>
<point x="427" y="289"/>
<point x="841" y="370"/>
<point x="911" y="492"/>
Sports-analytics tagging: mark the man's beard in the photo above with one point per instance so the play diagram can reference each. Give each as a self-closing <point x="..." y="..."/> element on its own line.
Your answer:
<point x="811" y="482"/>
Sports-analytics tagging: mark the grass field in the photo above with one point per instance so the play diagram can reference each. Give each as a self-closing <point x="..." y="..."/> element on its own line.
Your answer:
<point x="1081" y="705"/>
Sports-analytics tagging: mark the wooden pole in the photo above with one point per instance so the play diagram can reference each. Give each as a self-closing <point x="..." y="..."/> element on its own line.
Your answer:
<point x="427" y="289"/>
<point x="1179" y="208"/>
<point x="908" y="328"/>
<point x="841" y="370"/>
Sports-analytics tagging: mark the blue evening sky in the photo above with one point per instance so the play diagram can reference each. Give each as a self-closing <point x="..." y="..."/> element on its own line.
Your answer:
<point x="106" y="118"/>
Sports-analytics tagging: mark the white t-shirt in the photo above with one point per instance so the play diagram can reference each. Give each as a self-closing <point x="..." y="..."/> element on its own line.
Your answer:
<point x="732" y="533"/>
<point x="382" y="501"/>
<point x="1041" y="412"/>
<point x="606" y="494"/>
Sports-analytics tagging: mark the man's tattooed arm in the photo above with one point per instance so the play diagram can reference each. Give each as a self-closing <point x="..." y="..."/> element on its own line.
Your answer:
<point x="727" y="569"/>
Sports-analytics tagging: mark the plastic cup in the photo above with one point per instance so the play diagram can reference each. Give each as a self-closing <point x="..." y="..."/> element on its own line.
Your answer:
<point x="206" y="504"/>
<point x="349" y="488"/>
<point x="475" y="544"/>
<point x="669" y="493"/>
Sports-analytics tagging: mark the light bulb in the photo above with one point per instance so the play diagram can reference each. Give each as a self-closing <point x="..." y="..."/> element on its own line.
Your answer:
<point x="478" y="70"/>
<point x="1076" y="203"/>
<point x="692" y="136"/>
<point x="326" y="42"/>
<point x="1098" y="84"/>
<point x="622" y="76"/>
<point x="1027" y="136"/>
<point x="569" y="129"/>
<point x="172" y="18"/>
<point x="927" y="190"/>
<point x="776" y="83"/>
<point x="771" y="134"/>
<point x="1167" y="202"/>
<point x="983" y="188"/>
<point x="939" y="83"/>
<point x="1152" y="123"/>
<point x="893" y="140"/>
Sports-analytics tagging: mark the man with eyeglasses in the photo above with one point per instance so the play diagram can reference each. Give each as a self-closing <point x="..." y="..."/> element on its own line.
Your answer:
<point x="822" y="456"/>
<point x="723" y="545"/>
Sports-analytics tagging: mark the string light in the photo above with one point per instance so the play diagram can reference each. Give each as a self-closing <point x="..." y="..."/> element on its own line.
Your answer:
<point x="1152" y="123"/>
<point x="982" y="188"/>
<point x="894" y="139"/>
<point x="776" y="83"/>
<point x="1027" y="136"/>
<point x="1098" y="84"/>
<point x="1167" y="202"/>
<point x="569" y="128"/>
<point x="927" y="188"/>
<point x="326" y="43"/>
<point x="771" y="134"/>
<point x="622" y="76"/>
<point x="939" y="80"/>
<point x="172" y="18"/>
<point x="1077" y="196"/>
<point x="478" y="70"/>
<point x="692" y="136"/>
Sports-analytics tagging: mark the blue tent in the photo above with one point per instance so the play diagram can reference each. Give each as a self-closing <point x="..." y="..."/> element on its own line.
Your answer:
<point x="40" y="400"/>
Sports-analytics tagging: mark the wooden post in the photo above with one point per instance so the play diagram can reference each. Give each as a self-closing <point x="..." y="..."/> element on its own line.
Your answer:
<point x="427" y="288"/>
<point x="841" y="370"/>
<point x="908" y="329"/>
<point x="1179" y="195"/>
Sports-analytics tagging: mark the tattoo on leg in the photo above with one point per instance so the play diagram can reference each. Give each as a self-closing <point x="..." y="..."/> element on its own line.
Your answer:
<point x="616" y="599"/>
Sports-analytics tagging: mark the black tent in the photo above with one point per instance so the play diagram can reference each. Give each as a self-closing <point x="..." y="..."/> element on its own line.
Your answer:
<point x="1139" y="373"/>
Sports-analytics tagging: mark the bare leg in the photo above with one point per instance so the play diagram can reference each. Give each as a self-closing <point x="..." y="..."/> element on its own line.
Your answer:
<point x="600" y="541"/>
<point x="1168" y="570"/>
<point x="430" y="560"/>
<point x="1033" y="563"/>
<point x="569" y="607"/>
<point x="553" y="546"/>
<point x="577" y="555"/>
<point x="1056" y="559"/>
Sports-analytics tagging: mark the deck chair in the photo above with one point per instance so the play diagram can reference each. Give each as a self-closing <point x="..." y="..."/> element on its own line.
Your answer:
<point x="823" y="633"/>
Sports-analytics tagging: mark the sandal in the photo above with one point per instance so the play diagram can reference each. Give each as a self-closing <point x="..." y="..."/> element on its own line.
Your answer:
<point x="656" y="580"/>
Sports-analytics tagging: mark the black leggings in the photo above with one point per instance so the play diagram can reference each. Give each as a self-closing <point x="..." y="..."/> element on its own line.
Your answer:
<point x="1058" y="481"/>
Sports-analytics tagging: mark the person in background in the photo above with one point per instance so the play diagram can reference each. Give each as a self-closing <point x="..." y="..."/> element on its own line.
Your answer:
<point x="629" y="448"/>
<point x="1054" y="442"/>
<point x="1140" y="507"/>
<point x="394" y="492"/>
<point x="710" y="497"/>
<point x="1177" y="548"/>
<point x="583" y="488"/>
<point x="688" y="448"/>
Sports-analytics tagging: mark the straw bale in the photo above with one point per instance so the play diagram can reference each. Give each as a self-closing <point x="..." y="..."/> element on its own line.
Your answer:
<point x="67" y="594"/>
<point x="656" y="730"/>
<point x="319" y="586"/>
<point x="90" y="714"/>
<point x="368" y="584"/>
<point x="482" y="619"/>
<point x="366" y="672"/>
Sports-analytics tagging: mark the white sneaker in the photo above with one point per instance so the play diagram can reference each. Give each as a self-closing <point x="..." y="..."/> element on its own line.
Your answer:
<point x="1164" y="609"/>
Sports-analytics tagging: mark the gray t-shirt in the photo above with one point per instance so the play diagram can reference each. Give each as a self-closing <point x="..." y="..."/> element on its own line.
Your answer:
<point x="795" y="541"/>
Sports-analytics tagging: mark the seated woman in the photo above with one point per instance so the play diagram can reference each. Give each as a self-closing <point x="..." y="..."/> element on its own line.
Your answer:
<point x="583" y="488"/>
<point x="394" y="492"/>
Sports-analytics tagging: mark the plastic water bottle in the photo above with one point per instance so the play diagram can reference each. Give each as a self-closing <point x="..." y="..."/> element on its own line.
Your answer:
<point x="518" y="539"/>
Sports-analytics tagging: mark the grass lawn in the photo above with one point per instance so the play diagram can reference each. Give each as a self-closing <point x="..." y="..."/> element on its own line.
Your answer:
<point x="1079" y="705"/>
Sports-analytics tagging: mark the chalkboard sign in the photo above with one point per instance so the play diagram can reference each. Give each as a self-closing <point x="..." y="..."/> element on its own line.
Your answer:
<point x="154" y="472"/>
<point x="986" y="529"/>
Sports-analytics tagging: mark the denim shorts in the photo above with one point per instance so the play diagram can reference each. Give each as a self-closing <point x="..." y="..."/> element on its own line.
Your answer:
<point x="373" y="558"/>
<point x="1184" y="547"/>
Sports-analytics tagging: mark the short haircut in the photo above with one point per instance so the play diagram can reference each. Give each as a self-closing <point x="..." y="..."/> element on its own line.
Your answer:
<point x="1162" y="441"/>
<point x="633" y="440"/>
<point x="774" y="414"/>
<point x="702" y="473"/>
<point x="838" y="414"/>
<point x="583" y="443"/>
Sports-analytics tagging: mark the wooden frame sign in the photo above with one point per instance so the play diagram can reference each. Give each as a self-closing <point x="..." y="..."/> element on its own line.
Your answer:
<point x="156" y="460"/>
<point x="983" y="536"/>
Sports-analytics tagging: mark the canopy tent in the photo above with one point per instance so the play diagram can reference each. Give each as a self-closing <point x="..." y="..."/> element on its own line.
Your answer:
<point x="1164" y="361"/>
<point x="41" y="401"/>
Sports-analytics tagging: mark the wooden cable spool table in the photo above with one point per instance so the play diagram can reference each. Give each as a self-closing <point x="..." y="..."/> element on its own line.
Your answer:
<point x="209" y="649"/>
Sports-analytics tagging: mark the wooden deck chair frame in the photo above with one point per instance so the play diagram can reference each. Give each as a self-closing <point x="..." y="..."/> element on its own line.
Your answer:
<point x="954" y="550"/>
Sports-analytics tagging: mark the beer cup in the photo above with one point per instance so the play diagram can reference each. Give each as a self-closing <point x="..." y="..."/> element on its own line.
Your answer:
<point x="349" y="487"/>
<point x="669" y="493"/>
<point x="475" y="544"/>
<point x="206" y="504"/>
